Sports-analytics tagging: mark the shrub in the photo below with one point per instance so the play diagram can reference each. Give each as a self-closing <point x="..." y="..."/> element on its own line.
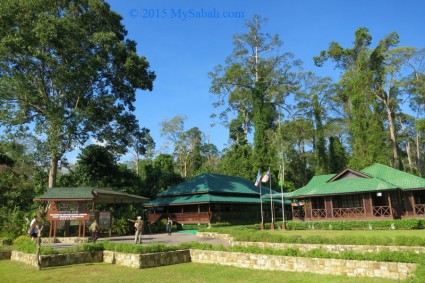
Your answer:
<point x="400" y="224"/>
<point x="22" y="239"/>
<point x="120" y="226"/>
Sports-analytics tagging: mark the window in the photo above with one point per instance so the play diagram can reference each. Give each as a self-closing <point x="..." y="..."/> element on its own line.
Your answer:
<point x="345" y="201"/>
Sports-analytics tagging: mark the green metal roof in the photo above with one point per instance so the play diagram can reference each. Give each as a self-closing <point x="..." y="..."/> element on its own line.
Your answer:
<point x="381" y="178"/>
<point x="402" y="180"/>
<point x="211" y="188"/>
<point x="68" y="193"/>
<point x="88" y="193"/>
<point x="314" y="182"/>
<point x="202" y="198"/>
<point x="213" y="183"/>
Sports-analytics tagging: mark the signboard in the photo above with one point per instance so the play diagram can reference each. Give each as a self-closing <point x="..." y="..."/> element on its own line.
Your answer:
<point x="68" y="211"/>
<point x="105" y="219"/>
<point x="68" y="215"/>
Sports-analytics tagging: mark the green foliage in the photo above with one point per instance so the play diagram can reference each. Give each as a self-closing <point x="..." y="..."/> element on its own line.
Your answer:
<point x="139" y="249"/>
<point x="256" y="80"/>
<point x="12" y="223"/>
<point x="237" y="161"/>
<point x="21" y="239"/>
<point x="96" y="167"/>
<point x="399" y="224"/>
<point x="24" y="244"/>
<point x="253" y="233"/>
<point x="79" y="46"/>
<point x="120" y="226"/>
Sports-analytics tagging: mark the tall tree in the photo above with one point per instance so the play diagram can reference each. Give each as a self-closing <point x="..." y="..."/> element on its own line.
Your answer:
<point x="338" y="158"/>
<point x="415" y="87"/>
<point x="96" y="166"/>
<point x="188" y="145"/>
<point x="67" y="69"/>
<point x="140" y="144"/>
<point x="256" y="79"/>
<point x="315" y="102"/>
<point x="365" y="116"/>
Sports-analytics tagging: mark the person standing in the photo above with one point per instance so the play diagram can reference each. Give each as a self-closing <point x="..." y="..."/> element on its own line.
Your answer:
<point x="94" y="228"/>
<point x="138" y="225"/>
<point x="34" y="228"/>
<point x="169" y="226"/>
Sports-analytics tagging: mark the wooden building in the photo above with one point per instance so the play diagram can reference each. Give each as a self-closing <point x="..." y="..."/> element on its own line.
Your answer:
<point x="210" y="198"/>
<point x="78" y="205"/>
<point x="376" y="192"/>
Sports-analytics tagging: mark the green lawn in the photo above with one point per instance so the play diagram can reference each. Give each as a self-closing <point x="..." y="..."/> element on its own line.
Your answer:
<point x="375" y="236"/>
<point x="11" y="271"/>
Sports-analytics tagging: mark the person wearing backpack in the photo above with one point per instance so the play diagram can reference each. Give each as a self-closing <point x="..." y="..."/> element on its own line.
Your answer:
<point x="94" y="228"/>
<point x="138" y="225"/>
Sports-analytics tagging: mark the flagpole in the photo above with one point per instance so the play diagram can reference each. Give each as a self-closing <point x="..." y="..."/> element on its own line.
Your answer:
<point x="271" y="202"/>
<point x="261" y="205"/>
<point x="281" y="192"/>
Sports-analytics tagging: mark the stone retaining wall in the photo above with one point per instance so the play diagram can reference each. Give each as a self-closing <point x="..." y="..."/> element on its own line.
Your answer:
<point x="214" y="235"/>
<point x="5" y="254"/>
<point x="59" y="259"/>
<point x="391" y="270"/>
<point x="147" y="260"/>
<point x="308" y="247"/>
<point x="330" y="248"/>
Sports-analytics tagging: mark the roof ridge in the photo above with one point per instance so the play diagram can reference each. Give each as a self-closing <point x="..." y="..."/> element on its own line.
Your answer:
<point x="390" y="168"/>
<point x="206" y="182"/>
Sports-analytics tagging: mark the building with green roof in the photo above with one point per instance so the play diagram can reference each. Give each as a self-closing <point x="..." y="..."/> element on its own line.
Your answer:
<point x="376" y="192"/>
<point x="77" y="205"/>
<point x="211" y="198"/>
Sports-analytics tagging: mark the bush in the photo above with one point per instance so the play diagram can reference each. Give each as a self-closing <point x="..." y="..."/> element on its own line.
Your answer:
<point x="399" y="224"/>
<point x="120" y="226"/>
<point x="21" y="239"/>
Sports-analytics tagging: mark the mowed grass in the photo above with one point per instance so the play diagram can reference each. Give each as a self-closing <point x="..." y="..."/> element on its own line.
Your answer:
<point x="11" y="271"/>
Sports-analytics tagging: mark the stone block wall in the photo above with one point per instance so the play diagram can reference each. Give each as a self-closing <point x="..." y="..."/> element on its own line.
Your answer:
<point x="59" y="259"/>
<point x="393" y="270"/>
<point x="124" y="259"/>
<point x="308" y="247"/>
<point x="214" y="235"/>
<point x="329" y="248"/>
<point x="5" y="255"/>
<point x="147" y="260"/>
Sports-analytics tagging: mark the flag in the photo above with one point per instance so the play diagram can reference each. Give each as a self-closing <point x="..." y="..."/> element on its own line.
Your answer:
<point x="257" y="181"/>
<point x="266" y="177"/>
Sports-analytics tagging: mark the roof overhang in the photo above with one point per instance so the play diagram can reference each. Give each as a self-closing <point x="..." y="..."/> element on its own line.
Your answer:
<point x="91" y="194"/>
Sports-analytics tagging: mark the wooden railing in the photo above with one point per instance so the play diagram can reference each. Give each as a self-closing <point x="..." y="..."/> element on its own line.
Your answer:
<point x="185" y="217"/>
<point x="153" y="217"/>
<point x="349" y="212"/>
<point x="237" y="215"/>
<point x="318" y="213"/>
<point x="380" y="211"/>
<point x="298" y="213"/>
<point x="420" y="209"/>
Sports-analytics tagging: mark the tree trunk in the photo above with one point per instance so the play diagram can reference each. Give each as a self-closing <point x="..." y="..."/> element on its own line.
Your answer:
<point x="393" y="139"/>
<point x="53" y="170"/>
<point x="137" y="164"/>
<point x="409" y="156"/>
<point x="418" y="155"/>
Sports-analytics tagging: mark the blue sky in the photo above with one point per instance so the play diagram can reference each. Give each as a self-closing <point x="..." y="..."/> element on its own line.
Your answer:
<point x="183" y="50"/>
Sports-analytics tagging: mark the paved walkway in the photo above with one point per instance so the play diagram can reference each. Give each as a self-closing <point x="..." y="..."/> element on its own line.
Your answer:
<point x="161" y="238"/>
